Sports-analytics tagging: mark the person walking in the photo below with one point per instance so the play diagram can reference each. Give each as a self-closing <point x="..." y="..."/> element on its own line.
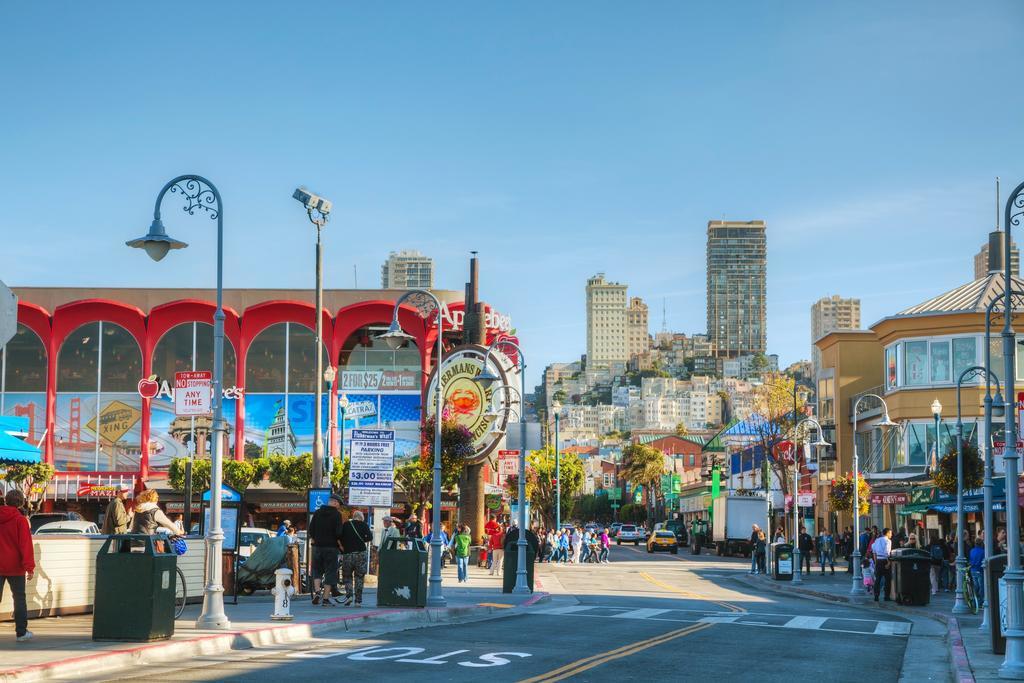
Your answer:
<point x="325" y="533"/>
<point x="606" y="544"/>
<point x="496" y="544"/>
<point x="460" y="545"/>
<point x="490" y="527"/>
<point x="389" y="530"/>
<point x="355" y="534"/>
<point x="283" y="529"/>
<point x="755" y="530"/>
<point x="881" y="549"/>
<point x="760" y="548"/>
<point x="116" y="519"/>
<point x="806" y="544"/>
<point x="413" y="528"/>
<point x="976" y="560"/>
<point x="827" y="552"/>
<point x="17" y="559"/>
<point x="937" y="552"/>
<point x="445" y="542"/>
<point x="576" y="540"/>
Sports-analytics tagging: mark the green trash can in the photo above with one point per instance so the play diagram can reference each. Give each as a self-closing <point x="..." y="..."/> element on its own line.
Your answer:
<point x="402" y="574"/>
<point x="508" y="575"/>
<point x="135" y="584"/>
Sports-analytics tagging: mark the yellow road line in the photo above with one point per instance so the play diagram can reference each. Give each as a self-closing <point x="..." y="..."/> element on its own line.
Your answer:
<point x="581" y="665"/>
<point x="729" y="606"/>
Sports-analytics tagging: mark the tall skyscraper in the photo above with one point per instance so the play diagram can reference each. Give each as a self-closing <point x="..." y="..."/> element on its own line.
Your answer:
<point x="637" y="334"/>
<point x="736" y="272"/>
<point x="831" y="313"/>
<point x="407" y="269"/>
<point x="606" y="322"/>
<point x="981" y="264"/>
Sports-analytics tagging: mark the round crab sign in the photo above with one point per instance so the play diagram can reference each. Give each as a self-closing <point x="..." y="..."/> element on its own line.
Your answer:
<point x="466" y="400"/>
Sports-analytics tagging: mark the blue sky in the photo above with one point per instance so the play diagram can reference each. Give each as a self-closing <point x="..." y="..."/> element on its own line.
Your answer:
<point x="557" y="139"/>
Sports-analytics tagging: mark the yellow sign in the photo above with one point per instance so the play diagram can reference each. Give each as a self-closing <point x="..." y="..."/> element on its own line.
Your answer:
<point x="116" y="419"/>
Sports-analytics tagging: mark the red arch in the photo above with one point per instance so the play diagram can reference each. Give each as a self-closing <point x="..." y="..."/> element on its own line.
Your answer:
<point x="351" y="318"/>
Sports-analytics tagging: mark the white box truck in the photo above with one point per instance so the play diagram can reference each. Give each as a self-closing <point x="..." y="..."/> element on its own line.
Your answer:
<point x="732" y="520"/>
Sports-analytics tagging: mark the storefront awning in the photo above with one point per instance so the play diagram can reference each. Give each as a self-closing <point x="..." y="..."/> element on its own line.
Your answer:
<point x="12" y="449"/>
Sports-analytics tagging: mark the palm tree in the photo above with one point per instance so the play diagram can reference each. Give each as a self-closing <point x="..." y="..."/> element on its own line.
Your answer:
<point x="644" y="465"/>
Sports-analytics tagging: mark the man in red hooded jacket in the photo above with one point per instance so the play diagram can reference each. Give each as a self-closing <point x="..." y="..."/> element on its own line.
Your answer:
<point x="17" y="561"/>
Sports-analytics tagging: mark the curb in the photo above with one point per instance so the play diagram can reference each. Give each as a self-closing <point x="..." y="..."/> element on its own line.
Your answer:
<point x="221" y="643"/>
<point x="961" y="665"/>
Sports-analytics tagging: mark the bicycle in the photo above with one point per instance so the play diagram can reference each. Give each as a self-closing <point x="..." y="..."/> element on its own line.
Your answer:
<point x="970" y="597"/>
<point x="180" y="594"/>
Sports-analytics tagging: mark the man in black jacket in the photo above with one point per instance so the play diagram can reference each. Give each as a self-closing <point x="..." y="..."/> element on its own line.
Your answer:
<point x="355" y="535"/>
<point x="806" y="549"/>
<point x="324" y="532"/>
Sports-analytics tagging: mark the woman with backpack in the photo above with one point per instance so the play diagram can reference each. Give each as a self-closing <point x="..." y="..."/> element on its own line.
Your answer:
<point x="460" y="544"/>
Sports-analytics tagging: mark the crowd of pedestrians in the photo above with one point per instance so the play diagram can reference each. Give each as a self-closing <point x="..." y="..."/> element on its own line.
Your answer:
<point x="574" y="545"/>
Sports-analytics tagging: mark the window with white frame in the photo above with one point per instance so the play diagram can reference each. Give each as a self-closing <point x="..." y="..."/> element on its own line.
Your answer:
<point x="934" y="361"/>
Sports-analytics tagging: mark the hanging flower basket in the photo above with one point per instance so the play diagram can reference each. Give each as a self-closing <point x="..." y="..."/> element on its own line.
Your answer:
<point x="840" y="497"/>
<point x="945" y="476"/>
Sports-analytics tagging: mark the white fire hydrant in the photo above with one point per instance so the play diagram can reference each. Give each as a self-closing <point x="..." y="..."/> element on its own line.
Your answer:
<point x="282" y="591"/>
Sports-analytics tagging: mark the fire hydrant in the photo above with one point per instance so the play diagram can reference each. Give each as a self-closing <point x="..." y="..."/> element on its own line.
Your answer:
<point x="282" y="591"/>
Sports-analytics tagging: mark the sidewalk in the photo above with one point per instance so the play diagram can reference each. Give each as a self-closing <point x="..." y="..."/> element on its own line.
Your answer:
<point x="970" y="649"/>
<point x="63" y="646"/>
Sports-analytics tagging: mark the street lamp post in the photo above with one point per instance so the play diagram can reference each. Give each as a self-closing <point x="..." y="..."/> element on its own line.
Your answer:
<point x="858" y="577"/>
<point x="395" y="338"/>
<point x="959" y="607"/>
<point x="343" y="405"/>
<point x="558" y="479"/>
<point x="994" y="407"/>
<point x="200" y="194"/>
<point x="318" y="209"/>
<point x="1013" y="663"/>
<point x="329" y="374"/>
<point x="486" y="379"/>
<point x="810" y="422"/>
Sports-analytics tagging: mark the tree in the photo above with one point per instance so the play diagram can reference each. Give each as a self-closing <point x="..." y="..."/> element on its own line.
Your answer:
<point x="774" y="416"/>
<point x="295" y="472"/>
<point x="759" y="364"/>
<point x="541" y="467"/>
<point x="633" y="513"/>
<point x="945" y="478"/>
<point x="456" y="446"/>
<point x="681" y="429"/>
<point x="643" y="465"/>
<point x="238" y="474"/>
<point x="31" y="480"/>
<point x="590" y="507"/>
<point x="417" y="482"/>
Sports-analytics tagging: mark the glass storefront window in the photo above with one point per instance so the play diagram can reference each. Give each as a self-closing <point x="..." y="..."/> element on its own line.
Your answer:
<point x="302" y="360"/>
<point x="265" y="361"/>
<point x="23" y="380"/>
<point x="964" y="354"/>
<point x="940" y="368"/>
<point x="98" y="411"/>
<point x="890" y="367"/>
<point x="915" y="363"/>
<point x="174" y="352"/>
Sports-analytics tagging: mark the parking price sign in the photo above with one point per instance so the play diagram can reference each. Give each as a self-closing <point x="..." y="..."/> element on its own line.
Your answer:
<point x="371" y="478"/>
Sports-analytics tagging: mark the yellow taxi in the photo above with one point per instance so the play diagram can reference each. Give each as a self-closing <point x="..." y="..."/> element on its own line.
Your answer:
<point x="662" y="540"/>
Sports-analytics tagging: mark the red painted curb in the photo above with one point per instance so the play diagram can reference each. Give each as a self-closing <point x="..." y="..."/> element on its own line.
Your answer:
<point x="961" y="665"/>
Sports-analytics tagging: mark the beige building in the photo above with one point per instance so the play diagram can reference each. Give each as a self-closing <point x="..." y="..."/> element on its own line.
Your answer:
<point x="606" y="322"/>
<point x="831" y="313"/>
<point x="407" y="269"/>
<point x="981" y="258"/>
<point x="638" y="339"/>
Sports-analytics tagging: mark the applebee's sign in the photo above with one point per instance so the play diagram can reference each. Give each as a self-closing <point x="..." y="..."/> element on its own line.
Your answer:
<point x="156" y="387"/>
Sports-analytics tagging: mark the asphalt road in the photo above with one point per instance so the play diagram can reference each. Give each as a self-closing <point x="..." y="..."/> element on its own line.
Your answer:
<point x="642" y="617"/>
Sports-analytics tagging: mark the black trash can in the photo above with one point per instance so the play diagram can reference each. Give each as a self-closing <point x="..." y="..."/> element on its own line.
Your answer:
<point x="995" y="567"/>
<point x="134" y="591"/>
<point x="402" y="573"/>
<point x="782" y="561"/>
<point x="508" y="575"/>
<point x="911" y="576"/>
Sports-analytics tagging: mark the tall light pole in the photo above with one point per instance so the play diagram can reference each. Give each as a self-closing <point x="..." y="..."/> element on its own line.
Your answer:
<point x="1013" y="663"/>
<point x="858" y="576"/>
<point x="318" y="209"/>
<point x="994" y="407"/>
<point x="811" y="423"/>
<point x="485" y="379"/>
<point x="343" y="405"/>
<point x="329" y="374"/>
<point x="959" y="607"/>
<point x="395" y="338"/>
<point x="558" y="478"/>
<point x="200" y="194"/>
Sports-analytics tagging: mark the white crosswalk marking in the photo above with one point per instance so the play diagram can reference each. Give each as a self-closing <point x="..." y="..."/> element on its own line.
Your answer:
<point x="718" y="620"/>
<point x="892" y="628"/>
<point x="805" y="622"/>
<point x="567" y="610"/>
<point x="641" y="613"/>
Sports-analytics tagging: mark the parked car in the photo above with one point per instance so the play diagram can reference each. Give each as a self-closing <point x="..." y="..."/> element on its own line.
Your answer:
<point x="68" y="527"/>
<point x="629" y="533"/>
<point x="615" y="529"/>
<point x="40" y="518"/>
<point x="662" y="540"/>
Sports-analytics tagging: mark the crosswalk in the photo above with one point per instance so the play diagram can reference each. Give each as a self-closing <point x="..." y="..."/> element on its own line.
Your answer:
<point x="763" y="619"/>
